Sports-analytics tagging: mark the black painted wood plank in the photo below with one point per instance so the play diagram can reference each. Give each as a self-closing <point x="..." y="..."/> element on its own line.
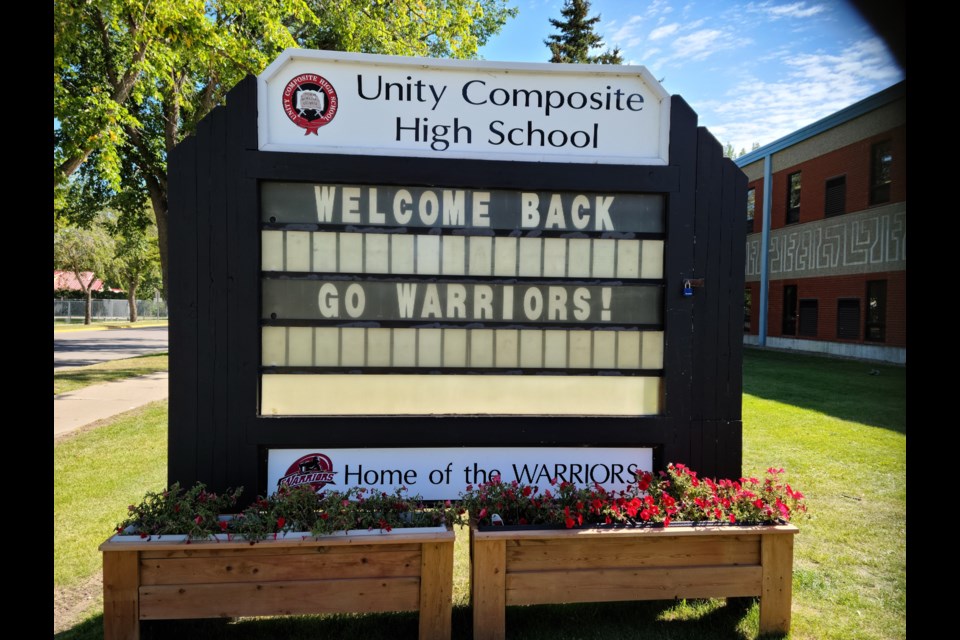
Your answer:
<point x="678" y="262"/>
<point x="243" y="304"/>
<point x="707" y="465"/>
<point x="219" y="316"/>
<point x="206" y="336"/>
<point x="736" y="287"/>
<point x="182" y="248"/>
<point x="713" y="380"/>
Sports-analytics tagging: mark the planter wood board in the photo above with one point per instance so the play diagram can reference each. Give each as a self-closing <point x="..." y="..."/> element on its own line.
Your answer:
<point x="593" y="565"/>
<point x="159" y="580"/>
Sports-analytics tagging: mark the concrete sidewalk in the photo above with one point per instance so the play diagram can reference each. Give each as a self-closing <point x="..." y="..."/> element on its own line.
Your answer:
<point x="76" y="409"/>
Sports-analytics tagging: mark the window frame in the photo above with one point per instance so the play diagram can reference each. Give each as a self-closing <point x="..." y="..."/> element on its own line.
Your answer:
<point x="881" y="178"/>
<point x="793" y="210"/>
<point x="840" y="181"/>
<point x="856" y="325"/>
<point x="868" y="323"/>
<point x="793" y="317"/>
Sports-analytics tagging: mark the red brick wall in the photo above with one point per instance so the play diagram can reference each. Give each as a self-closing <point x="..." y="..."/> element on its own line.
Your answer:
<point x="852" y="161"/>
<point x="827" y="291"/>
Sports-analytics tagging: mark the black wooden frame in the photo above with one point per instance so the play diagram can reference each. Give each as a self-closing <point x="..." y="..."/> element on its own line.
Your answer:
<point x="215" y="434"/>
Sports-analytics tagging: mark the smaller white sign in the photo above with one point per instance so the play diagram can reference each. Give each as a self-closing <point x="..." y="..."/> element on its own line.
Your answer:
<point x="443" y="473"/>
<point x="352" y="103"/>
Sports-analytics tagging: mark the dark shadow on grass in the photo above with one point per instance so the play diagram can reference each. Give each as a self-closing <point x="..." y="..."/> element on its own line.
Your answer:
<point x="609" y="620"/>
<point x="89" y="629"/>
<point x="650" y="620"/>
<point x="865" y="392"/>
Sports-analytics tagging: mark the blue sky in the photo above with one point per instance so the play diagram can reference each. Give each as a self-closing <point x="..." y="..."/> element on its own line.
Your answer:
<point x="753" y="71"/>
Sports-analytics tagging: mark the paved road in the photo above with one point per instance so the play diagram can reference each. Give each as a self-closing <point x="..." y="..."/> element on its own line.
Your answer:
<point x="81" y="348"/>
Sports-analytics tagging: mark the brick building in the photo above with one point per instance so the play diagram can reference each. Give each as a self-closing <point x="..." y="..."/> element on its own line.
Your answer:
<point x="834" y="277"/>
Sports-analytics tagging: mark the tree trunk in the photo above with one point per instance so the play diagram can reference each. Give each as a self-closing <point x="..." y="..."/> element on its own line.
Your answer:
<point x="88" y="307"/>
<point x="132" y="300"/>
<point x="158" y="199"/>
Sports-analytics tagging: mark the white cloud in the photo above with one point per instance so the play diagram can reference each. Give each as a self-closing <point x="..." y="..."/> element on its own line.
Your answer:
<point x="664" y="31"/>
<point x="698" y="45"/>
<point x="794" y="10"/>
<point x="629" y="32"/>
<point x="814" y="86"/>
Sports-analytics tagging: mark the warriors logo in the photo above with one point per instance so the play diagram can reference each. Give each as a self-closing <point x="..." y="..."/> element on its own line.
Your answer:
<point x="310" y="102"/>
<point x="314" y="469"/>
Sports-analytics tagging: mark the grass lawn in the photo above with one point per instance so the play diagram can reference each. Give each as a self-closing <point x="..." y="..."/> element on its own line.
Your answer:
<point x="839" y="431"/>
<point x="73" y="378"/>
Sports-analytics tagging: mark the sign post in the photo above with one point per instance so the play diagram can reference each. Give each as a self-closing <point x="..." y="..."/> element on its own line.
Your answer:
<point x="394" y="271"/>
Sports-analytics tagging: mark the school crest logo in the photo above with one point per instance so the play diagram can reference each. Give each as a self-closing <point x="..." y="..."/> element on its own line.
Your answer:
<point x="310" y="101"/>
<point x="314" y="469"/>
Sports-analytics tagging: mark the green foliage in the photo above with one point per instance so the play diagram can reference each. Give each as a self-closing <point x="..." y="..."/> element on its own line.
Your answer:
<point x="577" y="39"/>
<point x="132" y="78"/>
<point x="78" y="250"/>
<point x="194" y="512"/>
<point x="428" y="28"/>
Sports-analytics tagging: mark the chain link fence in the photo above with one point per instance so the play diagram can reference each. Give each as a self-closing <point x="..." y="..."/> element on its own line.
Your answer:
<point x="72" y="311"/>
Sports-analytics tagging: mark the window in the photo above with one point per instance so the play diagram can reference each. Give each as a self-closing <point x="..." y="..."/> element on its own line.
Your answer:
<point x="808" y="318"/>
<point x="751" y="207"/>
<point x="881" y="157"/>
<point x="876" y="326"/>
<point x="747" y="305"/>
<point x="848" y="318"/>
<point x="789" y="310"/>
<point x="793" y="198"/>
<point x="835" y="200"/>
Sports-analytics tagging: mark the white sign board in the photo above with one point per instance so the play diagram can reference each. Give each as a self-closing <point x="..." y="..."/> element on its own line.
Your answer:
<point x="443" y="473"/>
<point x="350" y="103"/>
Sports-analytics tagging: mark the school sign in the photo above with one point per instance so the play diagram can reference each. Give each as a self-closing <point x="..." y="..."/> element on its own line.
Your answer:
<point x="396" y="271"/>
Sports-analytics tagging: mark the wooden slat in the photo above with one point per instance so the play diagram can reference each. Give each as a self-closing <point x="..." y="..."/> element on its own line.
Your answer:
<point x="362" y="595"/>
<point x="218" y="430"/>
<point x="436" y="590"/>
<point x="247" y="550"/>
<point x="488" y="570"/>
<point x="704" y="311"/>
<point x="182" y="273"/>
<point x="241" y="567"/>
<point x="609" y="585"/>
<point x="121" y="605"/>
<point x="665" y="532"/>
<point x="396" y="537"/>
<point x="242" y="243"/>
<point x="204" y="342"/>
<point x="532" y="555"/>
<point x="777" y="595"/>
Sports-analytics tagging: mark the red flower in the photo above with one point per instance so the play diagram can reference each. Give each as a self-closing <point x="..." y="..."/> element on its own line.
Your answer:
<point x="527" y="491"/>
<point x="223" y="525"/>
<point x="198" y="519"/>
<point x="280" y="522"/>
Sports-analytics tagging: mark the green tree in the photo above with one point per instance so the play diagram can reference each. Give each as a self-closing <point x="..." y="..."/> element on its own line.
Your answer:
<point x="86" y="253"/>
<point x="577" y="39"/>
<point x="134" y="77"/>
<point x="136" y="265"/>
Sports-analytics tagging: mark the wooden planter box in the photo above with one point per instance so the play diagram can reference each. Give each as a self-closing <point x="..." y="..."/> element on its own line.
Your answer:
<point x="396" y="571"/>
<point x="519" y="567"/>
